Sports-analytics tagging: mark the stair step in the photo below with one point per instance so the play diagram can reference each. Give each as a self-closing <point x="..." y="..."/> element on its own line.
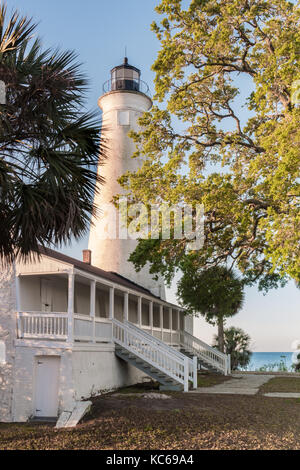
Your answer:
<point x="158" y="375"/>
<point x="157" y="372"/>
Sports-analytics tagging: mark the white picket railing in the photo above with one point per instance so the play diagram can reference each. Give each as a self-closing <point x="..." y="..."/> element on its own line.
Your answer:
<point x="47" y="325"/>
<point x="162" y="344"/>
<point x="160" y="356"/>
<point x="55" y="326"/>
<point x="212" y="356"/>
<point x="154" y="339"/>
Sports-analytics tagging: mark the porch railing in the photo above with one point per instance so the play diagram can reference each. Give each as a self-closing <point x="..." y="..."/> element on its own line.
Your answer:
<point x="56" y="326"/>
<point x="96" y="329"/>
<point x="80" y="327"/>
<point x="46" y="325"/>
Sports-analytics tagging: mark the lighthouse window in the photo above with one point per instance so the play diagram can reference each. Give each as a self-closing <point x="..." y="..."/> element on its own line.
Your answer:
<point x="120" y="73"/>
<point x="123" y="118"/>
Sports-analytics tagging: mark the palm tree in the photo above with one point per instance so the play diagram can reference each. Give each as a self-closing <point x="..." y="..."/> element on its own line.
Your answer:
<point x="49" y="147"/>
<point x="296" y="365"/>
<point x="237" y="344"/>
<point x="216" y="293"/>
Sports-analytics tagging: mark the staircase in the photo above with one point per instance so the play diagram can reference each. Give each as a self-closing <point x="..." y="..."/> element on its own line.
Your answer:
<point x="208" y="357"/>
<point x="172" y="369"/>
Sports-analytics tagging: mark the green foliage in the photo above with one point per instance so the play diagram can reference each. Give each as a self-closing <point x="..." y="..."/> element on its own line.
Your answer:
<point x="296" y="366"/>
<point x="48" y="146"/>
<point x="274" y="367"/>
<point x="220" y="63"/>
<point x="237" y="344"/>
<point x="215" y="293"/>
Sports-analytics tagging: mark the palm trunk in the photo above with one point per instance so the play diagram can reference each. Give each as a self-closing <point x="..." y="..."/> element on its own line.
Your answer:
<point x="221" y="334"/>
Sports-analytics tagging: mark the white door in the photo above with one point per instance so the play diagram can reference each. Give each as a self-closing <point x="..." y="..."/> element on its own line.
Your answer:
<point x="46" y="295"/>
<point x="46" y="385"/>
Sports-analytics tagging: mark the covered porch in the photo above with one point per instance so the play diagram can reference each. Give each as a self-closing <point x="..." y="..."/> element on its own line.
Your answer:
<point x="78" y="307"/>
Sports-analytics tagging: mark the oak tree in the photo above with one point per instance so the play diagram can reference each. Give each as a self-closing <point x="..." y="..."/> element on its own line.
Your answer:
<point x="224" y="131"/>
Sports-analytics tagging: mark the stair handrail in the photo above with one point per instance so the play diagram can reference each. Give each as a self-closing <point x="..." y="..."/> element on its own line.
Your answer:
<point x="140" y="333"/>
<point x="207" y="346"/>
<point x="156" y="340"/>
<point x="164" y="345"/>
<point x="223" y="364"/>
<point x="174" y="366"/>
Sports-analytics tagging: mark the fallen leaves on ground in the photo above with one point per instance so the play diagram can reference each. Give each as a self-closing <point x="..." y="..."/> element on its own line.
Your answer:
<point x="186" y="421"/>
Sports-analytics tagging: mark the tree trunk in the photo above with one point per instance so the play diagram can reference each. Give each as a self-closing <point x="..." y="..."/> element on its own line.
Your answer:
<point x="221" y="334"/>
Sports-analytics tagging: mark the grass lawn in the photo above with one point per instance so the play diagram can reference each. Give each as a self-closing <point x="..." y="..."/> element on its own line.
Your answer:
<point x="208" y="379"/>
<point x="282" y="384"/>
<point x="184" y="421"/>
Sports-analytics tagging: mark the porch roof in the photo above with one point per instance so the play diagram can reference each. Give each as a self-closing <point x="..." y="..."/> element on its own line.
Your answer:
<point x="109" y="275"/>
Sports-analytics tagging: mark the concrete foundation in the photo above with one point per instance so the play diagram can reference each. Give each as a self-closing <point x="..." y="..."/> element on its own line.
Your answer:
<point x="84" y="372"/>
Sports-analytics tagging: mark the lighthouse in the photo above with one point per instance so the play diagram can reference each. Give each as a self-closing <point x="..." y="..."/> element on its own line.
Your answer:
<point x="124" y="101"/>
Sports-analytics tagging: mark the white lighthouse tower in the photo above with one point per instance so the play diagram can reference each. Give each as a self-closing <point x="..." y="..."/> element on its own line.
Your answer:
<point x="123" y="102"/>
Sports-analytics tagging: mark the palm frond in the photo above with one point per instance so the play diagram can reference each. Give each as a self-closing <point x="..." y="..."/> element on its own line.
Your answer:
<point x="17" y="30"/>
<point x="49" y="147"/>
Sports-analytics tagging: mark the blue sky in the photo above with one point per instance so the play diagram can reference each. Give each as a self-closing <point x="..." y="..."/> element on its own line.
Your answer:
<point x="99" y="30"/>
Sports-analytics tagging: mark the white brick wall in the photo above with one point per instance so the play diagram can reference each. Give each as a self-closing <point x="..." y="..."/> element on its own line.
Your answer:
<point x="7" y="334"/>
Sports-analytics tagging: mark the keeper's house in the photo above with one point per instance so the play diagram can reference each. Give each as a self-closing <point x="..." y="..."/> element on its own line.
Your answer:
<point x="69" y="330"/>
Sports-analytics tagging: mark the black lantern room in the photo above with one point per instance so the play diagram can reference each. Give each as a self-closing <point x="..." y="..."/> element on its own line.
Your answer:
<point x="125" y="77"/>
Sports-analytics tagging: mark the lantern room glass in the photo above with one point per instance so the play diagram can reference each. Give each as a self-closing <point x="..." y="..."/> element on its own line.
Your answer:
<point x="125" y="77"/>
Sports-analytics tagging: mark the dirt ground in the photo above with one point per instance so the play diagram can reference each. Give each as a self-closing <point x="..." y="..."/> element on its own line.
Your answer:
<point x="184" y="421"/>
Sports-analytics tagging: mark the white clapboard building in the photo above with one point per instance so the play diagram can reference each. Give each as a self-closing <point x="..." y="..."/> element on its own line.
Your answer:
<point x="73" y="329"/>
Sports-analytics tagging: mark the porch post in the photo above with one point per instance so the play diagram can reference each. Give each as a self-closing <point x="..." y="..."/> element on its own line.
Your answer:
<point x="18" y="306"/>
<point x="195" y="367"/>
<point x="161" y="320"/>
<point x="111" y="303"/>
<point x="170" y="324"/>
<point x="18" y="300"/>
<point x="228" y="368"/>
<point x="71" y="285"/>
<point x="186" y="374"/>
<point x="92" y="306"/>
<point x="140" y="312"/>
<point x="178" y="326"/>
<point x="126" y="306"/>
<point x="151" y="316"/>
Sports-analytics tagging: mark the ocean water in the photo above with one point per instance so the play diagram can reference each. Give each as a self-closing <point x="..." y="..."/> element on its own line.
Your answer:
<point x="270" y="360"/>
